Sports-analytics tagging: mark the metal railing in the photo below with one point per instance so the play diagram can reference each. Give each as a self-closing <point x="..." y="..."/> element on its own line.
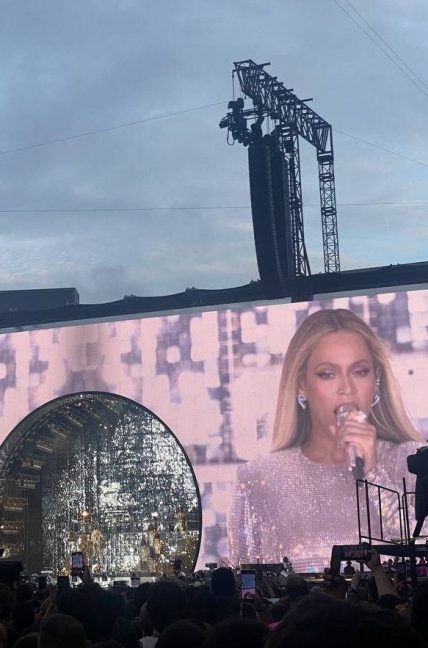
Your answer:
<point x="362" y="489"/>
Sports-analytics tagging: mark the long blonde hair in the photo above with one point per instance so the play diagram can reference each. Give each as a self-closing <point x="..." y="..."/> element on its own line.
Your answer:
<point x="292" y="425"/>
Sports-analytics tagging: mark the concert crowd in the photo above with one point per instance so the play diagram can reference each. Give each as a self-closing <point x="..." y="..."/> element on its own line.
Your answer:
<point x="372" y="609"/>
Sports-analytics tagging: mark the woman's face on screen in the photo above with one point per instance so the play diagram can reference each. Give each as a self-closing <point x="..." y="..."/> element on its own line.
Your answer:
<point x="340" y="370"/>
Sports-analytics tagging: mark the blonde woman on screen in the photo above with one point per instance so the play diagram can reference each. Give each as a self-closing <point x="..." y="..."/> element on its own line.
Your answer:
<point x="301" y="498"/>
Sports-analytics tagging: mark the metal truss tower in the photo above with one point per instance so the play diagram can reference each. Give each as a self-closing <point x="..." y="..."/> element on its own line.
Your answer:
<point x="292" y="118"/>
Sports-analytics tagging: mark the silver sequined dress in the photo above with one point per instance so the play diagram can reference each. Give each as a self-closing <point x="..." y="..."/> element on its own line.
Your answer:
<point x="284" y="504"/>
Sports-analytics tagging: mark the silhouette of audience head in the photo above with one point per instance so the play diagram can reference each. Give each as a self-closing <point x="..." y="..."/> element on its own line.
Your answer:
<point x="223" y="582"/>
<point x="238" y="633"/>
<point x="61" y="631"/>
<point x="183" y="634"/>
<point x="296" y="587"/>
<point x="166" y="603"/>
<point x="322" y="621"/>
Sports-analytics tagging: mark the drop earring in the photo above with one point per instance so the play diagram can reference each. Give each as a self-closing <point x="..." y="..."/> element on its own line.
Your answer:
<point x="376" y="397"/>
<point x="302" y="400"/>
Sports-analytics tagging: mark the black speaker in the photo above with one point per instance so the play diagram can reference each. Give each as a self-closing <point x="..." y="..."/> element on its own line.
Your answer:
<point x="42" y="583"/>
<point x="10" y="571"/>
<point x="418" y="465"/>
<point x="281" y="206"/>
<point x="270" y="212"/>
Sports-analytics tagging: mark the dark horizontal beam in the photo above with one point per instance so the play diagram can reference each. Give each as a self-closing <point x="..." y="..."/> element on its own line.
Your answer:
<point x="297" y="289"/>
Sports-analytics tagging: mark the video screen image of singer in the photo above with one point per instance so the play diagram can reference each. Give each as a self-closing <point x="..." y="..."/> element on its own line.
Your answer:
<point x="272" y="404"/>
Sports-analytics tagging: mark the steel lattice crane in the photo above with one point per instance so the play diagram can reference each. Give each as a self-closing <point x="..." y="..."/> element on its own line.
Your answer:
<point x="292" y="118"/>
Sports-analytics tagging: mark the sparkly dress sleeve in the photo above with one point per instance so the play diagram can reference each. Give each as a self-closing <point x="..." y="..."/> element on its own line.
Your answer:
<point x="241" y="537"/>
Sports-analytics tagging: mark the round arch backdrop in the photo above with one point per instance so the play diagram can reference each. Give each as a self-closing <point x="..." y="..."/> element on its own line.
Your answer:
<point x="102" y="474"/>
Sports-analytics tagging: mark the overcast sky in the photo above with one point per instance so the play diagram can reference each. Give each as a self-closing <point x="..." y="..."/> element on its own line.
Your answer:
<point x="74" y="67"/>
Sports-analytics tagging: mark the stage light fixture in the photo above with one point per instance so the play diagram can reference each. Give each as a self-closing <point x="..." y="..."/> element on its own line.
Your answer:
<point x="15" y="504"/>
<point x="26" y="482"/>
<point x="33" y="461"/>
<point x="57" y="429"/>
<point x="12" y="527"/>
<point x="45" y="445"/>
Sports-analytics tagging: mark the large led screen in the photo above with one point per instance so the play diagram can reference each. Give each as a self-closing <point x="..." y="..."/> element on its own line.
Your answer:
<point x="269" y="453"/>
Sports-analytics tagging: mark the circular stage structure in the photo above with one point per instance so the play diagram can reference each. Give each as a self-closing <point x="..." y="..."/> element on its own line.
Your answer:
<point x="98" y="473"/>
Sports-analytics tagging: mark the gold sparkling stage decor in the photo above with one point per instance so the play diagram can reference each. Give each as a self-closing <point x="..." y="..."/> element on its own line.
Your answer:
<point x="100" y="474"/>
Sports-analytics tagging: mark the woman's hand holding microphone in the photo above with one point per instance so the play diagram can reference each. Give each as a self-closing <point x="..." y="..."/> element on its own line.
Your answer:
<point x="357" y="437"/>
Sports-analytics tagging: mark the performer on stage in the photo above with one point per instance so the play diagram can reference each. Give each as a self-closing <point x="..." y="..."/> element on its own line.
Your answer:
<point x="144" y="554"/>
<point x="151" y="532"/>
<point x="287" y="566"/>
<point x="157" y="544"/>
<point x="180" y="522"/>
<point x="302" y="496"/>
<point x="5" y="553"/>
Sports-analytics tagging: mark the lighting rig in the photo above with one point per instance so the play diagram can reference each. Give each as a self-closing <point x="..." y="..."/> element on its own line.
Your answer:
<point x="275" y="176"/>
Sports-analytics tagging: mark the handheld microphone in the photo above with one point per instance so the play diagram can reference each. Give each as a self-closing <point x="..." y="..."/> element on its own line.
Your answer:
<point x="355" y="461"/>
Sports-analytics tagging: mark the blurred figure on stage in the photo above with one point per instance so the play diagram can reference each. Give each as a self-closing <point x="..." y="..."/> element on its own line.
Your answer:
<point x="144" y="554"/>
<point x="303" y="494"/>
<point x="287" y="566"/>
<point x="349" y="569"/>
<point x="180" y="522"/>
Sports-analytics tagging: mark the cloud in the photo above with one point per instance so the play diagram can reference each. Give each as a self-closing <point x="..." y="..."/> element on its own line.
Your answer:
<point x="72" y="67"/>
